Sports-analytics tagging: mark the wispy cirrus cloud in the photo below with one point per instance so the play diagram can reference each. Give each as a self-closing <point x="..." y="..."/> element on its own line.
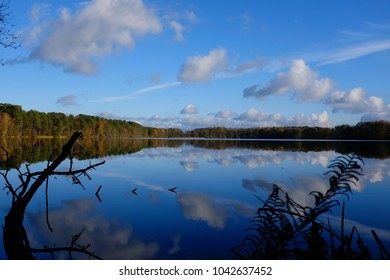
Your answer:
<point x="351" y="52"/>
<point x="135" y="93"/>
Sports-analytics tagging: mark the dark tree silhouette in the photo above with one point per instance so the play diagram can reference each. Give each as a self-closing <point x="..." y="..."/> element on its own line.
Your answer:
<point x="285" y="229"/>
<point x="15" y="237"/>
<point x="7" y="38"/>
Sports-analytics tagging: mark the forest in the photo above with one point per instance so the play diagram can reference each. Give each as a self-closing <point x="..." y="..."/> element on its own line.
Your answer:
<point x="16" y="122"/>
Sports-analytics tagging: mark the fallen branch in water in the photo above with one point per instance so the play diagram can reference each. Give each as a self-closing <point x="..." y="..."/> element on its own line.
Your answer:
<point x="15" y="238"/>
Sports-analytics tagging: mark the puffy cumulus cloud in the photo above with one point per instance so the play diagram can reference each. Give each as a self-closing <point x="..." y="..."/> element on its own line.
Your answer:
<point x="189" y="109"/>
<point x="312" y="119"/>
<point x="198" y="69"/>
<point x="250" y="118"/>
<point x="355" y="101"/>
<point x="260" y="118"/>
<point x="98" y="28"/>
<point x="307" y="86"/>
<point x="374" y="116"/>
<point x="67" y="100"/>
<point x="300" y="79"/>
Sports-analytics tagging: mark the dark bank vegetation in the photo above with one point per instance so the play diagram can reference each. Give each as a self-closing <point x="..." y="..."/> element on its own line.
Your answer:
<point x="15" y="237"/>
<point x="377" y="130"/>
<point x="15" y="122"/>
<point x="285" y="229"/>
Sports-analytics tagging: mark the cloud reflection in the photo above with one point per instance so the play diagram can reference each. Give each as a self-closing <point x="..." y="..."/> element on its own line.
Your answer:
<point x="250" y="158"/>
<point x="215" y="212"/>
<point x="189" y="165"/>
<point x="191" y="158"/>
<point x="108" y="238"/>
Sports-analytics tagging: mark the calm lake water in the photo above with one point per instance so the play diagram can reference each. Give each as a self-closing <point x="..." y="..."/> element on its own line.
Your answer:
<point x="211" y="205"/>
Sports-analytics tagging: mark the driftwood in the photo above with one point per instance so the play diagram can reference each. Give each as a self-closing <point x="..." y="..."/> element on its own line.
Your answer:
<point x="15" y="238"/>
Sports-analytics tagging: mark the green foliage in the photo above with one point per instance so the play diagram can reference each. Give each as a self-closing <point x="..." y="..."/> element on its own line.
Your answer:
<point x="15" y="122"/>
<point x="284" y="229"/>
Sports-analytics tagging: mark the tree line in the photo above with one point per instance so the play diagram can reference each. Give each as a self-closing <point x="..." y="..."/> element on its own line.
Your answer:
<point x="375" y="130"/>
<point x="15" y="122"/>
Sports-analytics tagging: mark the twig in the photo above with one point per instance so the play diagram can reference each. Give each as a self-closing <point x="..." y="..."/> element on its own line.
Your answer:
<point x="97" y="193"/>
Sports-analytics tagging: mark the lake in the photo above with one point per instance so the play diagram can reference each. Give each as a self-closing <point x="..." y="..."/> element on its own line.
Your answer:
<point x="186" y="199"/>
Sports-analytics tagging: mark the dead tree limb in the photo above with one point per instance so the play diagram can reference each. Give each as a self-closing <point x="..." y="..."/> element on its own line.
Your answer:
<point x="15" y="238"/>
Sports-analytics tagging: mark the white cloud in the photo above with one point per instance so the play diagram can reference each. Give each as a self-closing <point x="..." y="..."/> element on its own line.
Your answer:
<point x="355" y="101"/>
<point x="189" y="109"/>
<point x="250" y="118"/>
<point x="374" y="116"/>
<point x="307" y="86"/>
<point x="198" y="69"/>
<point x="253" y="118"/>
<point x="301" y="80"/>
<point x="98" y="28"/>
<point x="108" y="115"/>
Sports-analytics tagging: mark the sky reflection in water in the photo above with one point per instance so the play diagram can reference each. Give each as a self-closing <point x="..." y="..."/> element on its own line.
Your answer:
<point x="211" y="209"/>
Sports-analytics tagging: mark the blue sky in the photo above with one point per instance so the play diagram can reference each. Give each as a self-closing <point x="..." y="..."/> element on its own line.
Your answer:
<point x="190" y="64"/>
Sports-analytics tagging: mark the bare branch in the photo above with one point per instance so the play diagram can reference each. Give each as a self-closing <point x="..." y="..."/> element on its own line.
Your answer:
<point x="7" y="38"/>
<point x="15" y="238"/>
